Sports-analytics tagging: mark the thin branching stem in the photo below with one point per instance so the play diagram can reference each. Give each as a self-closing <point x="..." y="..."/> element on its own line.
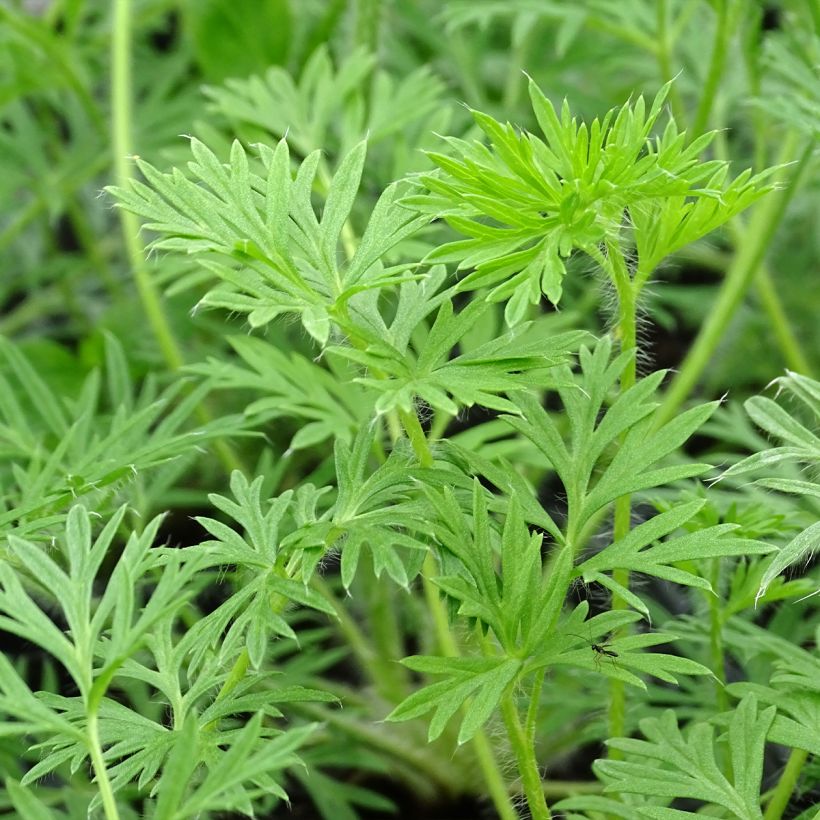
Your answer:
<point x="121" y="142"/>
<point x="627" y="324"/>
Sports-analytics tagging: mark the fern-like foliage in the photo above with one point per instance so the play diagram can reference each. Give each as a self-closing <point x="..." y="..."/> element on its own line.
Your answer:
<point x="798" y="444"/>
<point x="525" y="203"/>
<point x="54" y="450"/>
<point x="333" y="108"/>
<point x="672" y="763"/>
<point x="257" y="230"/>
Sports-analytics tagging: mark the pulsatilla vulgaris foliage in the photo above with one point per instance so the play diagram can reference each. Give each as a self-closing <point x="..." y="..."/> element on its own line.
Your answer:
<point x="455" y="535"/>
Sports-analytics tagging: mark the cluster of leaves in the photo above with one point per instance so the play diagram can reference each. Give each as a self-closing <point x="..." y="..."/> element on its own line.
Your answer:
<point x="327" y="526"/>
<point x="527" y="203"/>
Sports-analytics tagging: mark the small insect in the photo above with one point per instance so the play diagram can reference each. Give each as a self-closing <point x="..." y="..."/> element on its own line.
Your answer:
<point x="601" y="650"/>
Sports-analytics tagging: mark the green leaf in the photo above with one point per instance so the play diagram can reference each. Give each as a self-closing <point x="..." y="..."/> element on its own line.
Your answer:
<point x="526" y="202"/>
<point x="339" y="201"/>
<point x="268" y="264"/>
<point x="27" y="804"/>
<point x="642" y="551"/>
<point x="483" y="680"/>
<point x="671" y="765"/>
<point x="795" y="552"/>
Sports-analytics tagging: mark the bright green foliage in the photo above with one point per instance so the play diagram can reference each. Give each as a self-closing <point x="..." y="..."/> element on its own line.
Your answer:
<point x="521" y="606"/>
<point x="58" y="450"/>
<point x="104" y="634"/>
<point x="257" y="230"/>
<point x="291" y="387"/>
<point x="792" y="94"/>
<point x="425" y="369"/>
<point x="643" y="551"/>
<point x="674" y="764"/>
<point x="483" y="679"/>
<point x="328" y="108"/>
<point x="255" y="612"/>
<point x="792" y="685"/>
<point x="382" y="499"/>
<point x="527" y="203"/>
<point x="798" y="444"/>
<point x="377" y="509"/>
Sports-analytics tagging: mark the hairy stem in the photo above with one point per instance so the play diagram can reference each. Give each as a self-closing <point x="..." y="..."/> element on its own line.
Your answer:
<point x="525" y="757"/>
<point x="623" y="506"/>
<point x="764" y="221"/>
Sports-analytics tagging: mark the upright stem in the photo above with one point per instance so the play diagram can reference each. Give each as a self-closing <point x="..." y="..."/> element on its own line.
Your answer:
<point x="717" y="658"/>
<point x="627" y="325"/>
<point x="368" y="17"/>
<point x="664" y="57"/>
<point x="100" y="771"/>
<point x="121" y="141"/>
<point x="720" y="48"/>
<point x="447" y="643"/>
<point x="790" y="348"/>
<point x="751" y="250"/>
<point x="785" y="786"/>
<point x="525" y="757"/>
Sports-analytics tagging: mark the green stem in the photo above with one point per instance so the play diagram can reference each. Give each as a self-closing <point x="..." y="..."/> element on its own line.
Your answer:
<point x="431" y="767"/>
<point x="717" y="658"/>
<point x="720" y="48"/>
<point x="571" y="788"/>
<point x="356" y="639"/>
<point x="446" y="641"/>
<point x="122" y="119"/>
<point x="814" y="11"/>
<point x="532" y="710"/>
<point x="121" y="141"/>
<point x="100" y="771"/>
<point x="786" y="340"/>
<point x="35" y="307"/>
<point x="769" y="299"/>
<point x="664" y="57"/>
<point x="418" y="441"/>
<point x="627" y="330"/>
<point x="525" y="757"/>
<point x="514" y="83"/>
<point x="368" y="17"/>
<point x="716" y="638"/>
<point x="751" y="250"/>
<point x="235" y="676"/>
<point x="785" y="786"/>
<point x="392" y="678"/>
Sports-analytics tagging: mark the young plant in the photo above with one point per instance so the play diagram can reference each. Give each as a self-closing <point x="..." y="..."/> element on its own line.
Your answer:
<point x="454" y="540"/>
